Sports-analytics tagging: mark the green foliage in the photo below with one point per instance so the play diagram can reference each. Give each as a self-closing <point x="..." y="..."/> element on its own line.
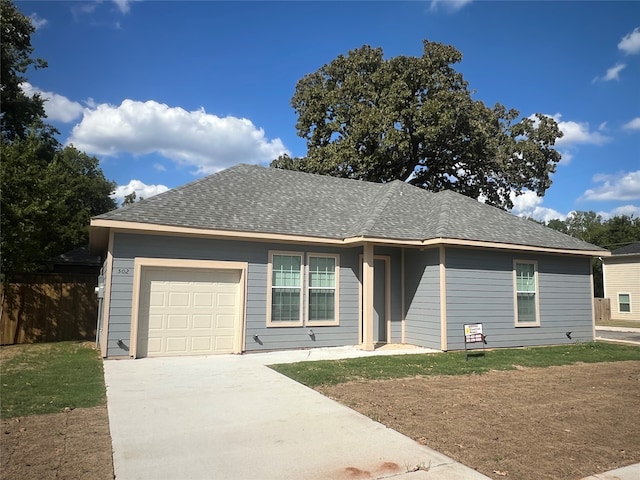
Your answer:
<point x="48" y="193"/>
<point x="613" y="233"/>
<point x="414" y="119"/>
<point x="18" y="110"/>
<point x="331" y="372"/>
<point x="46" y="378"/>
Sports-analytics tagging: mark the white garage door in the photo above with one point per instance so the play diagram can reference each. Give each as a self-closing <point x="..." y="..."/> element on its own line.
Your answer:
<point x="188" y="312"/>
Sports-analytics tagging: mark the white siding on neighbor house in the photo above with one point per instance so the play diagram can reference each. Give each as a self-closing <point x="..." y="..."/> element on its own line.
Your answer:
<point x="622" y="275"/>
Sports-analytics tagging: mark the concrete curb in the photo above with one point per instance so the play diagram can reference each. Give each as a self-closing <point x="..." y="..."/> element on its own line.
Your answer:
<point x="630" y="472"/>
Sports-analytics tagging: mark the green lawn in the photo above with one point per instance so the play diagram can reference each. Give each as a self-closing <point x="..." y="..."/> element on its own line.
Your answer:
<point x="46" y="378"/>
<point x="331" y="372"/>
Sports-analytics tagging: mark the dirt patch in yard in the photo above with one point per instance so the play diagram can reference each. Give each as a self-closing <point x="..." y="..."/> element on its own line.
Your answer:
<point x="73" y="445"/>
<point x="545" y="423"/>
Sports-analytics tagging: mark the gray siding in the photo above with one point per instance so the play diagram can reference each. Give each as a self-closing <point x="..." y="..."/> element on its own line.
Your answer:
<point x="422" y="297"/>
<point x="480" y="289"/>
<point x="128" y="246"/>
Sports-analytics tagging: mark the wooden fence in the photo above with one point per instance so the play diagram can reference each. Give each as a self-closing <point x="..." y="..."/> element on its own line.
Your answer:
<point x="46" y="307"/>
<point x="602" y="309"/>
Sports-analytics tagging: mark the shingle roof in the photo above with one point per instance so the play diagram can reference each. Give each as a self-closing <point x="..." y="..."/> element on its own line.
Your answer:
<point x="632" y="248"/>
<point x="255" y="199"/>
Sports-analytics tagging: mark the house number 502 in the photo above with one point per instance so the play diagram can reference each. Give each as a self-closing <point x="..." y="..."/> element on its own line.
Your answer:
<point x="123" y="271"/>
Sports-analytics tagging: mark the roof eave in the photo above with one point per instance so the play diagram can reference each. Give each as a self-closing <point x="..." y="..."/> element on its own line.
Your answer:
<point x="99" y="235"/>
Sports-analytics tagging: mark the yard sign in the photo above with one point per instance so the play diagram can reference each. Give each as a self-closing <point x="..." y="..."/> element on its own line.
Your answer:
<point x="473" y="334"/>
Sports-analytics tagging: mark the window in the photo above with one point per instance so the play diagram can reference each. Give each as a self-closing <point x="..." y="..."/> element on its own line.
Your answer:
<point x="624" y="302"/>
<point x="286" y="289"/>
<point x="526" y="293"/>
<point x="321" y="290"/>
<point x="296" y="299"/>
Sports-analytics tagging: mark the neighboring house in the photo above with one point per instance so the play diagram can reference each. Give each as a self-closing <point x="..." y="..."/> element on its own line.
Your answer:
<point x="255" y="258"/>
<point x="621" y="277"/>
<point x="78" y="260"/>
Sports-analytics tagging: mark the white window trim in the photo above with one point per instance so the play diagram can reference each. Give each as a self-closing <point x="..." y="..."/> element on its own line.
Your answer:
<point x="618" y="302"/>
<point x="276" y="323"/>
<point x="515" y="294"/>
<point x="336" y="320"/>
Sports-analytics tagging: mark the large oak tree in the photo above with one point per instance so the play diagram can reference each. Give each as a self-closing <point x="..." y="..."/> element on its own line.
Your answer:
<point x="414" y="119"/>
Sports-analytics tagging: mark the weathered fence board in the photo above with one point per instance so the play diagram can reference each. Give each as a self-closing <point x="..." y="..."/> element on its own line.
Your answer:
<point x="48" y="308"/>
<point x="602" y="309"/>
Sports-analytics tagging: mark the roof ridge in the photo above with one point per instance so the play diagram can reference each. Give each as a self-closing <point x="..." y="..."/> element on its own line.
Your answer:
<point x="443" y="217"/>
<point x="380" y="202"/>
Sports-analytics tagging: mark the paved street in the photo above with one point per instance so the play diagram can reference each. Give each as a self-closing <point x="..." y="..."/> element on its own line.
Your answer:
<point x="631" y="335"/>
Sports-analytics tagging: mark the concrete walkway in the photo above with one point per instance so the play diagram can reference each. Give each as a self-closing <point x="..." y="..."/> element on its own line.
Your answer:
<point x="231" y="417"/>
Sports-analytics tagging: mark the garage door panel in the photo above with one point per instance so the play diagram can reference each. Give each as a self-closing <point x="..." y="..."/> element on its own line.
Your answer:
<point x="203" y="321"/>
<point x="201" y="299"/>
<point x="156" y="322"/>
<point x="179" y="299"/>
<point x="226" y="322"/>
<point x="177" y="322"/>
<point x="156" y="299"/>
<point x="189" y="311"/>
<point x="155" y="346"/>
<point x="223" y="343"/>
<point x="201" y="344"/>
<point x="177" y="345"/>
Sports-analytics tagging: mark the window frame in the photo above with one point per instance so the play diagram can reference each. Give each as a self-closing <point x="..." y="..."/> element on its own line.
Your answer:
<point x="270" y="287"/>
<point x="536" y="292"/>
<point x="336" y="288"/>
<point x="627" y="303"/>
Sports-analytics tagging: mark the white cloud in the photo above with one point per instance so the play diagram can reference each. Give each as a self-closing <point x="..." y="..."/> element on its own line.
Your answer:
<point x="206" y="141"/>
<point x="159" y="167"/>
<point x="623" y="186"/>
<point x="576" y="133"/>
<point x="37" y="22"/>
<point x="123" y="5"/>
<point x="632" y="124"/>
<point x="142" y="190"/>
<point x="613" y="73"/>
<point x="628" y="210"/>
<point x="630" y="43"/>
<point x="567" y="156"/>
<point x="450" y="6"/>
<point x="530" y="205"/>
<point x="57" y="107"/>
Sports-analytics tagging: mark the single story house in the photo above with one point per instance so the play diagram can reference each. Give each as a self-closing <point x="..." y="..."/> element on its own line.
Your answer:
<point x="255" y="258"/>
<point x="621" y="278"/>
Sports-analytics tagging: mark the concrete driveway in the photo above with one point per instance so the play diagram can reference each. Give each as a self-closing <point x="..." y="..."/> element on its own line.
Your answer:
<point x="231" y="417"/>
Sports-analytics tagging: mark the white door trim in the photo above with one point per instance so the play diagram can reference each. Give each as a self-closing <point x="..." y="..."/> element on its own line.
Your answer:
<point x="387" y="296"/>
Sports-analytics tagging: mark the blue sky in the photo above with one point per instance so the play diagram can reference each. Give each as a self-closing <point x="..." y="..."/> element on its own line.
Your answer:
<point x="165" y="92"/>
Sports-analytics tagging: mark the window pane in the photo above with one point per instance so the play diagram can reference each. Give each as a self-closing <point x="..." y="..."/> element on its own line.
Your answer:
<point x="322" y="272"/>
<point x="525" y="277"/>
<point x="286" y="271"/>
<point x="285" y="305"/>
<point x="526" y="308"/>
<point x="624" y="303"/>
<point x="322" y="304"/>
